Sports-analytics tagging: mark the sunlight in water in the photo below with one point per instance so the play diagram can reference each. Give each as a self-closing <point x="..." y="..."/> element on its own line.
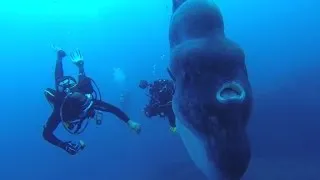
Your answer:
<point x="59" y="7"/>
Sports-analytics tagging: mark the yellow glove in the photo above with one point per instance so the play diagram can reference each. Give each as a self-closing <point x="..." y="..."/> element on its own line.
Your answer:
<point x="173" y="129"/>
<point x="134" y="126"/>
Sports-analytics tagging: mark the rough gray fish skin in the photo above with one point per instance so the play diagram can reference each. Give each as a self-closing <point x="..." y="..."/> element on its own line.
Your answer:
<point x="213" y="96"/>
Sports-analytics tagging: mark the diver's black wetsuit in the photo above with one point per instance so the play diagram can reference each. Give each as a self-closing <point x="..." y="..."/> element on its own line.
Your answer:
<point x="84" y="86"/>
<point x="160" y="104"/>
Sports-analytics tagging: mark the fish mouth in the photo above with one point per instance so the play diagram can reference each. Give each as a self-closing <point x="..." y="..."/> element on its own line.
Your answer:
<point x="221" y="129"/>
<point x="231" y="92"/>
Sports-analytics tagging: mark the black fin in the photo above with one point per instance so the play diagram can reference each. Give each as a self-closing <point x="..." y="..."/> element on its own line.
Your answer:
<point x="176" y="4"/>
<point x="171" y="75"/>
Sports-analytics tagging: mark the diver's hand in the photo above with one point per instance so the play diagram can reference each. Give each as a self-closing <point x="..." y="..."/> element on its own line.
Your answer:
<point x="136" y="127"/>
<point x="73" y="147"/>
<point x="77" y="58"/>
<point x="173" y="129"/>
<point x="60" y="53"/>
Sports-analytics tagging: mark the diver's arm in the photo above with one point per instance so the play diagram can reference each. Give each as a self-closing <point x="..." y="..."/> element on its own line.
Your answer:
<point x="82" y="74"/>
<point x="59" y="66"/>
<point x="106" y="107"/>
<point x="58" y="69"/>
<point x="172" y="119"/>
<point x="50" y="127"/>
<point x="71" y="147"/>
<point x="77" y="59"/>
<point x="84" y="82"/>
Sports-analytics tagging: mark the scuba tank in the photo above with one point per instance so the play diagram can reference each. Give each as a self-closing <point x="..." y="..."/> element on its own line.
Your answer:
<point x="75" y="105"/>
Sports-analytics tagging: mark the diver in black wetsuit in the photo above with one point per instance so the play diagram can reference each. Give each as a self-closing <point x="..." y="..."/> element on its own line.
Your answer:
<point x="73" y="103"/>
<point x="160" y="104"/>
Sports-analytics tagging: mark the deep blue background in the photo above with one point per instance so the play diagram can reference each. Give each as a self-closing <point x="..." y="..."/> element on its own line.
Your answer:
<point x="281" y="41"/>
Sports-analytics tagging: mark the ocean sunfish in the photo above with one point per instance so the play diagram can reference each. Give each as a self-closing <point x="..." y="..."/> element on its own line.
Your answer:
<point x="213" y="96"/>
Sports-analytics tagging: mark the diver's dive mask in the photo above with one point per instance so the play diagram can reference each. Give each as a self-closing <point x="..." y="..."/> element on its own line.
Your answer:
<point x="66" y="84"/>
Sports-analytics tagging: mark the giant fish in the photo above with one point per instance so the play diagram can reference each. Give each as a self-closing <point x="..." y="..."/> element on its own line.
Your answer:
<point x="213" y="96"/>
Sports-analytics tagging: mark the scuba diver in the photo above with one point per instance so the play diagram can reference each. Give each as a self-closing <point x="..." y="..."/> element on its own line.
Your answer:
<point x="74" y="104"/>
<point x="160" y="103"/>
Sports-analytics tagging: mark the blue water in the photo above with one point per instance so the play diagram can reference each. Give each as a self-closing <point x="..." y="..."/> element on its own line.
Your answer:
<point x="281" y="41"/>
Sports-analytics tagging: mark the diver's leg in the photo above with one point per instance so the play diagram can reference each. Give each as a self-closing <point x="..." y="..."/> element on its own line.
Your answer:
<point x="171" y="117"/>
<point x="106" y="107"/>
